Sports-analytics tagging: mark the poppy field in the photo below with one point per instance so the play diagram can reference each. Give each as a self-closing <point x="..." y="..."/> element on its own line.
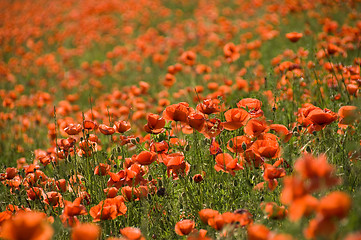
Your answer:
<point x="164" y="119"/>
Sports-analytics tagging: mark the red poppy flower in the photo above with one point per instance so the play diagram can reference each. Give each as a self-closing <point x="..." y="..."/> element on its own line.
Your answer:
<point x="266" y="148"/>
<point x="102" y="169"/>
<point x="86" y="231"/>
<point x="212" y="128"/>
<point x="253" y="105"/>
<point x="33" y="225"/>
<point x="189" y="58"/>
<point x="155" y="124"/>
<point x="282" y="130"/>
<point x="146" y="157"/>
<point x="135" y="194"/>
<point x="231" y="52"/>
<point x="177" y="166"/>
<point x="348" y="115"/>
<point x="238" y="144"/>
<point x="258" y="232"/>
<point x="108" y="209"/>
<point x="122" y="126"/>
<point x="177" y="112"/>
<point x="273" y="211"/>
<point x="255" y="127"/>
<point x="320" y="227"/>
<point x="131" y="233"/>
<point x="90" y="125"/>
<point x="294" y="36"/>
<point x="106" y="130"/>
<point x="235" y="118"/>
<point x="206" y="214"/>
<point x="225" y="162"/>
<point x="196" y="121"/>
<point x="73" y="129"/>
<point x="71" y="210"/>
<point x="336" y="204"/>
<point x="208" y="106"/>
<point x="184" y="227"/>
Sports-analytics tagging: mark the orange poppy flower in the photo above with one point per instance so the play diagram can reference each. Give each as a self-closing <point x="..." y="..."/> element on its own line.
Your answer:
<point x="106" y="130"/>
<point x="336" y="204"/>
<point x="238" y="144"/>
<point x="31" y="225"/>
<point x="11" y="173"/>
<point x="73" y="129"/>
<point x="272" y="172"/>
<point x="159" y="147"/>
<point x="122" y="126"/>
<point x="352" y="89"/>
<point x="169" y="80"/>
<point x="217" y="222"/>
<point x="316" y="172"/>
<point x="273" y="211"/>
<point x="303" y="113"/>
<point x="231" y="52"/>
<point x="212" y="128"/>
<point x="184" y="227"/>
<point x="35" y="193"/>
<point x="189" y="58"/>
<point x="177" y="112"/>
<point x="208" y="106"/>
<point x="314" y="118"/>
<point x="332" y="49"/>
<point x="294" y="36"/>
<point x="258" y="232"/>
<point x="320" y="227"/>
<point x="225" y="162"/>
<point x="320" y="118"/>
<point x="86" y="231"/>
<point x="54" y="199"/>
<point x="253" y="158"/>
<point x="282" y="130"/>
<point x="108" y="209"/>
<point x="135" y="194"/>
<point x="255" y="127"/>
<point x="302" y="206"/>
<point x="280" y="236"/>
<point x="146" y="158"/>
<point x="155" y="124"/>
<point x="266" y="148"/>
<point x="293" y="189"/>
<point x="235" y="118"/>
<point x="131" y="233"/>
<point x="348" y="115"/>
<point x="206" y="214"/>
<point x="111" y="192"/>
<point x="253" y="105"/>
<point x="176" y="165"/>
<point x="61" y="185"/>
<point x="90" y="125"/>
<point x="71" y="210"/>
<point x="198" y="235"/>
<point x="196" y="121"/>
<point x="102" y="169"/>
<point x="133" y="175"/>
<point x="237" y="219"/>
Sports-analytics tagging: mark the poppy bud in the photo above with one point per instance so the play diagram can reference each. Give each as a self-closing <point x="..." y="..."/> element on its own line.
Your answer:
<point x="244" y="146"/>
<point x="161" y="192"/>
